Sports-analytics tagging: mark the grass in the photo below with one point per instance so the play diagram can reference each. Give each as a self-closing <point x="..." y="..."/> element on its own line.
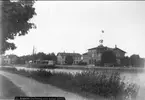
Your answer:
<point x="107" y="84"/>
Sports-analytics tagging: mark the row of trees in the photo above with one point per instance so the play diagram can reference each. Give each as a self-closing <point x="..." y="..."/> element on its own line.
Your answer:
<point x="42" y="56"/>
<point x="134" y="60"/>
<point x="38" y="56"/>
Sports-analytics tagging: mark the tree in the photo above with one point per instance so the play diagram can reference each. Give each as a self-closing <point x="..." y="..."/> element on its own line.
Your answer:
<point x="41" y="56"/>
<point x="15" y="21"/>
<point x="21" y="60"/>
<point x="82" y="63"/>
<point x="125" y="61"/>
<point x="134" y="60"/>
<point x="69" y="60"/>
<point x="142" y="62"/>
<point x="108" y="57"/>
<point x="53" y="56"/>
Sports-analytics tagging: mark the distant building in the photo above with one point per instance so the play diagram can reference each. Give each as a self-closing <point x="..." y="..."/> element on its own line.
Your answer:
<point x="8" y="59"/>
<point x="5" y="60"/>
<point x="94" y="54"/>
<point x="13" y="58"/>
<point x="62" y="56"/>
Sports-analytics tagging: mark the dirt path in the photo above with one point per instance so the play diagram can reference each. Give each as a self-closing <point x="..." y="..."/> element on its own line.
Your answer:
<point x="34" y="88"/>
<point x="8" y="90"/>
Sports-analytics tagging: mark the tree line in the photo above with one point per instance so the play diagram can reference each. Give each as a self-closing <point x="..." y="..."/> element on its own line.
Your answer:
<point x="134" y="60"/>
<point x="38" y="56"/>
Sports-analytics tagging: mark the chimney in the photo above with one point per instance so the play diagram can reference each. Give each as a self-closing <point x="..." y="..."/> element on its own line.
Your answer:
<point x="115" y="46"/>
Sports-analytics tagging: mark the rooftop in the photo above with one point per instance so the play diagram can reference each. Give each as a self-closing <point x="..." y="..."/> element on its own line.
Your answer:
<point x="85" y="53"/>
<point x="101" y="46"/>
<point x="119" y="49"/>
<point x="72" y="54"/>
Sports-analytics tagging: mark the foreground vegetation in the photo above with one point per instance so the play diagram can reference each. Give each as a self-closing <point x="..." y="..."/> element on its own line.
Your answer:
<point x="107" y="84"/>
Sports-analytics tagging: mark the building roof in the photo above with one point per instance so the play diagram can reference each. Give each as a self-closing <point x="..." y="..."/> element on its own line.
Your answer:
<point x="72" y="54"/>
<point x="119" y="49"/>
<point x="12" y="56"/>
<point x="101" y="46"/>
<point x="85" y="53"/>
<point x="92" y="48"/>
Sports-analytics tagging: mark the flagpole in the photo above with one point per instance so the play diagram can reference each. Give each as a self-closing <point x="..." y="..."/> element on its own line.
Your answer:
<point x="101" y="38"/>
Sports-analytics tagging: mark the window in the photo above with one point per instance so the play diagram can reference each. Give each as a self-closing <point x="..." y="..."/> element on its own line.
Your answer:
<point x="117" y="54"/>
<point x="92" y="55"/>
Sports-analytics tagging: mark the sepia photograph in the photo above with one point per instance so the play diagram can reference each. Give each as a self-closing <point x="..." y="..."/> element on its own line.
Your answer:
<point x="72" y="50"/>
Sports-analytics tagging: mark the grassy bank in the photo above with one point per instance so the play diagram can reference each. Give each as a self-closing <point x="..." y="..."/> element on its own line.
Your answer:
<point x="106" y="84"/>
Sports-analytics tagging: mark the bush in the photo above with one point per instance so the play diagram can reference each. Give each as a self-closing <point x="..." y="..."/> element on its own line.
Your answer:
<point x="107" y="83"/>
<point x="108" y="57"/>
<point x="82" y="63"/>
<point x="41" y="73"/>
<point x="69" y="60"/>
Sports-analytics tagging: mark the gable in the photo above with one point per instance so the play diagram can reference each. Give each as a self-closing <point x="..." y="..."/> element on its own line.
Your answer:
<point x="119" y="50"/>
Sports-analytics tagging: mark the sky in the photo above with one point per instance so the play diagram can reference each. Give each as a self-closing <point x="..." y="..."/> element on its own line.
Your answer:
<point x="75" y="26"/>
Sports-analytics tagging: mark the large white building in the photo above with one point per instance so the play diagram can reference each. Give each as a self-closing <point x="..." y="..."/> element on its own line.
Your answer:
<point x="94" y="54"/>
<point x="62" y="56"/>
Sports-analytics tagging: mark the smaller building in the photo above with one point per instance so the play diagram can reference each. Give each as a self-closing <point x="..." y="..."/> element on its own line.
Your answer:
<point x="13" y="59"/>
<point x="85" y="57"/>
<point x="62" y="56"/>
<point x="5" y="60"/>
<point x="8" y="59"/>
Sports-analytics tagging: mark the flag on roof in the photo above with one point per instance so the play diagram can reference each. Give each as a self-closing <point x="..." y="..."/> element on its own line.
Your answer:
<point x="101" y="41"/>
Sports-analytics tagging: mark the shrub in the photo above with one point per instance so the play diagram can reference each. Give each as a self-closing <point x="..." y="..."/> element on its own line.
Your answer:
<point x="69" y="60"/>
<point x="41" y="73"/>
<point x="107" y="83"/>
<point x="108" y="57"/>
<point x="82" y="63"/>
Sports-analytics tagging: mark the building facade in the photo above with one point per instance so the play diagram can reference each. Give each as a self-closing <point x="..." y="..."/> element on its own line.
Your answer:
<point x="62" y="56"/>
<point x="8" y="59"/>
<point x="13" y="59"/>
<point x="94" y="54"/>
<point x="5" y="60"/>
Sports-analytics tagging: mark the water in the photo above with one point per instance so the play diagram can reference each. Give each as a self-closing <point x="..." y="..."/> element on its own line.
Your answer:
<point x="134" y="77"/>
<point x="52" y="70"/>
